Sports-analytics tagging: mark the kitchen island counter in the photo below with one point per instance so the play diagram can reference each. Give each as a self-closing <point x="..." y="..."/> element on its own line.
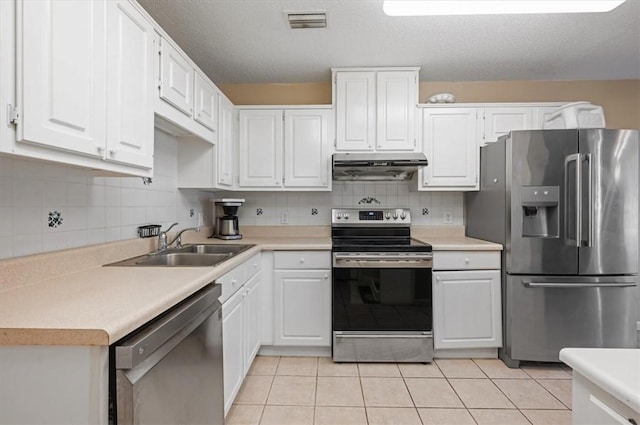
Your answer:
<point x="616" y="371"/>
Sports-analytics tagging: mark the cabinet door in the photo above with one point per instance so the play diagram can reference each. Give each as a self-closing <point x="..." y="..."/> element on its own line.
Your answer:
<point x="397" y="101"/>
<point x="500" y="121"/>
<point x="261" y="148"/>
<point x="302" y="307"/>
<point x="252" y="319"/>
<point x="62" y="74"/>
<point x="467" y="309"/>
<point x="450" y="144"/>
<point x="130" y="85"/>
<point x="541" y="113"/>
<point x="225" y="142"/>
<point x="206" y="103"/>
<point x="233" y="347"/>
<point x="306" y="147"/>
<point x="355" y="111"/>
<point x="176" y="78"/>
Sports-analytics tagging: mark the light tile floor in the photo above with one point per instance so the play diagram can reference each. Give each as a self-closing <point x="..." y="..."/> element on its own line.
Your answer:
<point x="316" y="391"/>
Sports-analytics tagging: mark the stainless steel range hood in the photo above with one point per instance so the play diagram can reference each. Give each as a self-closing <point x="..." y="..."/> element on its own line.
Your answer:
<point x="377" y="166"/>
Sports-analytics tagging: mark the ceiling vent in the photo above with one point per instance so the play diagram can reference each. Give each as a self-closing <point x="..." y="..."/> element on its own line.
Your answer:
<point x="307" y="19"/>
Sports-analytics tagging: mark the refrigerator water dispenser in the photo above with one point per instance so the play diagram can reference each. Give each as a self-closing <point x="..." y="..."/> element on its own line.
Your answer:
<point x="540" y="217"/>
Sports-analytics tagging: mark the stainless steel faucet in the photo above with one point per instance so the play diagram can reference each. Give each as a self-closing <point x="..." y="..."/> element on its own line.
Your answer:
<point x="163" y="245"/>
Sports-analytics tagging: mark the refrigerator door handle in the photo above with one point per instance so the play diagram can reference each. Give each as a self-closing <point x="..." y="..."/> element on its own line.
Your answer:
<point x="531" y="284"/>
<point x="588" y="158"/>
<point x="572" y="221"/>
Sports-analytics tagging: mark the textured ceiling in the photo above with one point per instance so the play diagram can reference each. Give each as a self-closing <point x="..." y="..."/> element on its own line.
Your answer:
<point x="249" y="41"/>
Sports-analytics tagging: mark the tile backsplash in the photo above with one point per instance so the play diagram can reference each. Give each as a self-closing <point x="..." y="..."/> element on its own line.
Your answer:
<point x="314" y="208"/>
<point x="46" y="207"/>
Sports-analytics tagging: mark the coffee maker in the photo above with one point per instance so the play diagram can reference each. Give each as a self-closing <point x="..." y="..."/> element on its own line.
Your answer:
<point x="227" y="218"/>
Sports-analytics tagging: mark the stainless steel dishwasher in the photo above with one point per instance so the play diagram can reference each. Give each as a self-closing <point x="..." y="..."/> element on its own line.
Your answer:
<point x="170" y="370"/>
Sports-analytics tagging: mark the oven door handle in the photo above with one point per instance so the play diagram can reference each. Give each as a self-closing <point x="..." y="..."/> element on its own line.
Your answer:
<point x="382" y="262"/>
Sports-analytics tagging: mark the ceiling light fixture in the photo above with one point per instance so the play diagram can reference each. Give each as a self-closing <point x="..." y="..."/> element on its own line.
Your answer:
<point x="494" y="7"/>
<point x="299" y="20"/>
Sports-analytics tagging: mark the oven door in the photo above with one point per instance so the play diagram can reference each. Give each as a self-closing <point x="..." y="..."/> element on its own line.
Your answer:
<point x="382" y="309"/>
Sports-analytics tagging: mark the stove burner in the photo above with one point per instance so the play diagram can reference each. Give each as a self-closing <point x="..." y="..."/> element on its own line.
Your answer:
<point x="374" y="231"/>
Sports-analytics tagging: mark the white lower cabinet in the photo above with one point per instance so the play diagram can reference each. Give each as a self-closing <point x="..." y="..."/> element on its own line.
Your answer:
<point x="302" y="298"/>
<point x="241" y="324"/>
<point x="233" y="345"/>
<point x="467" y="311"/>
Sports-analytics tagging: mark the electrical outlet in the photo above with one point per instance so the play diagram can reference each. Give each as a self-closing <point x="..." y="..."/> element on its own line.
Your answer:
<point x="448" y="217"/>
<point x="284" y="217"/>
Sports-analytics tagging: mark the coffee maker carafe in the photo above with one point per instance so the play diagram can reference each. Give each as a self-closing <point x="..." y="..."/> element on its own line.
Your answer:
<point x="227" y="218"/>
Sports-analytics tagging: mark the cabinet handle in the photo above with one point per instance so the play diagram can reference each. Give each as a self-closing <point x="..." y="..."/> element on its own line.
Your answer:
<point x="326" y="276"/>
<point x="437" y="279"/>
<point x="113" y="152"/>
<point x="100" y="150"/>
<point x="302" y="261"/>
<point x="233" y="282"/>
<point x="466" y="260"/>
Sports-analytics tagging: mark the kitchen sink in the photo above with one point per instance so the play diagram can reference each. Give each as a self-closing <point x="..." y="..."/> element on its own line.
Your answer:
<point x="213" y="249"/>
<point x="179" y="259"/>
<point x="187" y="256"/>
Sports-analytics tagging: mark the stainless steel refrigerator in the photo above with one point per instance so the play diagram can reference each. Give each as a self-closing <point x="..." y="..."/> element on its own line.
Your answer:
<point x="564" y="204"/>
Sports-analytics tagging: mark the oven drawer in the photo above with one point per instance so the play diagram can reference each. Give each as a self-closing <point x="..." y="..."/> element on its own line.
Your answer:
<point x="302" y="260"/>
<point x="412" y="347"/>
<point x="466" y="260"/>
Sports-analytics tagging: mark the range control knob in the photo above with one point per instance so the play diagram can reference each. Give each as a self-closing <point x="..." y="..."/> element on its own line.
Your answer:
<point x="387" y="216"/>
<point x="395" y="215"/>
<point x="346" y="216"/>
<point x="403" y="215"/>
<point x="338" y="215"/>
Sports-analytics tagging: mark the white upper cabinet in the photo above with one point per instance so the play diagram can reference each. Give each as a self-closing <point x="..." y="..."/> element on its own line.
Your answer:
<point x="260" y="148"/>
<point x="355" y="110"/>
<point x="285" y="148"/>
<point x="306" y="147"/>
<point x="176" y="78"/>
<point x="206" y="106"/>
<point x="85" y="81"/>
<point x="500" y="121"/>
<point x="397" y="99"/>
<point x="130" y="85"/>
<point x="62" y="75"/>
<point x="450" y="142"/>
<point x="375" y="108"/>
<point x="225" y="142"/>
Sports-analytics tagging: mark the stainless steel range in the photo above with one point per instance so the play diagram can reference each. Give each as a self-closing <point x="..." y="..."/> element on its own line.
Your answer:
<point x="381" y="306"/>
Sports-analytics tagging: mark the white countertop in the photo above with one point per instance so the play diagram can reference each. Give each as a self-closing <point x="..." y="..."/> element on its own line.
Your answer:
<point x="615" y="370"/>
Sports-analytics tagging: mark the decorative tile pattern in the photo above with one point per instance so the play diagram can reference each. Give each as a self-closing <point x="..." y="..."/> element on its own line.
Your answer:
<point x="55" y="219"/>
<point x="314" y="211"/>
<point x="259" y="211"/>
<point x="425" y="211"/>
<point x="369" y="200"/>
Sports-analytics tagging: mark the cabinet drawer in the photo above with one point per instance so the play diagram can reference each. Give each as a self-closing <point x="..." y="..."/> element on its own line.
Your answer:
<point x="252" y="266"/>
<point x="466" y="260"/>
<point x="231" y="282"/>
<point x="302" y="260"/>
